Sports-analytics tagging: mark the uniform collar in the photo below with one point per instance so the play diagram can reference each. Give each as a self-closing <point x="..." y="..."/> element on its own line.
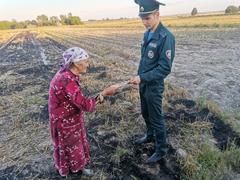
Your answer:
<point x="156" y="34"/>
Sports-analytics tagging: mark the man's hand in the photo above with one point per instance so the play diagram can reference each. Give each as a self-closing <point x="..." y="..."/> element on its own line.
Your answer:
<point x="135" y="80"/>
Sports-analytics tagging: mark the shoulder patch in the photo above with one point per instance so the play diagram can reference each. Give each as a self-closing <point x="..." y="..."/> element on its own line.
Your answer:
<point x="168" y="54"/>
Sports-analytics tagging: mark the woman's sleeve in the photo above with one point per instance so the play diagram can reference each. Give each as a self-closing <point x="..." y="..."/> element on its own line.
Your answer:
<point x="76" y="96"/>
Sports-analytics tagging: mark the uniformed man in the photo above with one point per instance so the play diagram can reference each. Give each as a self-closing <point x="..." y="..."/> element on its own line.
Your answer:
<point x="157" y="54"/>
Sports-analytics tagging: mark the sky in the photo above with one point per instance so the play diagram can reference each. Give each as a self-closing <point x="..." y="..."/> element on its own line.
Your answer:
<point x="99" y="9"/>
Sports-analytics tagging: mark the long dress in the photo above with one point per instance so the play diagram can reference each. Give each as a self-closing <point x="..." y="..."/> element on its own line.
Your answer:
<point x="67" y="105"/>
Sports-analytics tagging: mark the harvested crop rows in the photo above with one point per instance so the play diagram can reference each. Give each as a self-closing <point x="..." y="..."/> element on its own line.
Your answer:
<point x="29" y="59"/>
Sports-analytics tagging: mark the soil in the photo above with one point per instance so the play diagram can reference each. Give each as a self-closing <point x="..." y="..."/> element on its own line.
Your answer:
<point x="30" y="62"/>
<point x="222" y="132"/>
<point x="207" y="64"/>
<point x="134" y="165"/>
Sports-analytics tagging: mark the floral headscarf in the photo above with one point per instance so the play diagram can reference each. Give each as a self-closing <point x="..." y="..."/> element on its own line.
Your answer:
<point x="74" y="54"/>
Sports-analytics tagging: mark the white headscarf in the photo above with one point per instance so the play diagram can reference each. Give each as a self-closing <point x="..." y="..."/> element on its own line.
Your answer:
<point x="74" y="54"/>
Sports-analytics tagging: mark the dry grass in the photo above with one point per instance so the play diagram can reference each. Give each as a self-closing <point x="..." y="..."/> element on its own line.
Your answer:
<point x="24" y="141"/>
<point x="232" y="118"/>
<point x="220" y="20"/>
<point x="212" y="106"/>
<point x="111" y="45"/>
<point x="7" y="34"/>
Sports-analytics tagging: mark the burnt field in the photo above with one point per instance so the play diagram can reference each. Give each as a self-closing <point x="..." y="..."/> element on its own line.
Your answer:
<point x="200" y="141"/>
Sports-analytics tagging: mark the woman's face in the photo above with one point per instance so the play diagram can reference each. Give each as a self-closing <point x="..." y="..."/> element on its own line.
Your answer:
<point x="82" y="66"/>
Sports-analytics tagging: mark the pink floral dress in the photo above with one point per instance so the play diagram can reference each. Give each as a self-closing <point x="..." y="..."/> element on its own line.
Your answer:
<point x="67" y="105"/>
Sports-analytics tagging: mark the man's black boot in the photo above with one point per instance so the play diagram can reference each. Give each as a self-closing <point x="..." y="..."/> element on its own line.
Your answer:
<point x="144" y="139"/>
<point x="155" y="158"/>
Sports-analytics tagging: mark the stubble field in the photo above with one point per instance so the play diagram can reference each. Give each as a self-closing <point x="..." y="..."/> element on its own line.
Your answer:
<point x="204" y="82"/>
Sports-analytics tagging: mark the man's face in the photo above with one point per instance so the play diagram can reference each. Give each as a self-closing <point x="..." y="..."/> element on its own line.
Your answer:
<point x="151" y="20"/>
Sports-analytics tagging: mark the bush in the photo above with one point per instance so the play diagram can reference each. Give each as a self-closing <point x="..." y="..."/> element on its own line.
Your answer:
<point x="12" y="25"/>
<point x="5" y="25"/>
<point x="231" y="10"/>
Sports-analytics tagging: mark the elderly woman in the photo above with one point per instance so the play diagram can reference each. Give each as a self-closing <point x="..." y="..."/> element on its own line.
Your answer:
<point x="67" y="105"/>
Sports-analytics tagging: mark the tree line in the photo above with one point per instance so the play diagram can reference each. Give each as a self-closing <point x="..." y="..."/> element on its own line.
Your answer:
<point x="232" y="10"/>
<point x="42" y="20"/>
<point x="229" y="10"/>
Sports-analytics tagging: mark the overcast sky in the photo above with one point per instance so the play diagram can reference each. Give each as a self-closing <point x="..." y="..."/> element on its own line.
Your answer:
<point x="99" y="9"/>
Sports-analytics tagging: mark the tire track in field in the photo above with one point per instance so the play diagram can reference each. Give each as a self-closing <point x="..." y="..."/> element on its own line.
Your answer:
<point x="8" y="41"/>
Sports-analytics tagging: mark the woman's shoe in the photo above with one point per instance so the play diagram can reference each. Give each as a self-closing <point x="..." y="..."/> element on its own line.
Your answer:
<point x="87" y="172"/>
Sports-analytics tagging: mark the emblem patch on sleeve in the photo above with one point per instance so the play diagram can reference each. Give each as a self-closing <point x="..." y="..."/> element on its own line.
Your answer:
<point x="168" y="54"/>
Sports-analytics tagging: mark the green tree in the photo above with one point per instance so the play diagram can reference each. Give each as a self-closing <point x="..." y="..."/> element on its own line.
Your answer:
<point x="21" y="25"/>
<point x="28" y="22"/>
<point x="70" y="19"/>
<point x="69" y="15"/>
<point x="42" y="20"/>
<point x="75" y="20"/>
<point x="194" y="12"/>
<point x="231" y="10"/>
<point x="63" y="19"/>
<point x="54" y="20"/>
<point x="34" y="22"/>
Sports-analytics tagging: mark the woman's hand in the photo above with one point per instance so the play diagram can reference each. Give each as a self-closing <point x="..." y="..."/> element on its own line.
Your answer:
<point x="99" y="98"/>
<point x="111" y="90"/>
